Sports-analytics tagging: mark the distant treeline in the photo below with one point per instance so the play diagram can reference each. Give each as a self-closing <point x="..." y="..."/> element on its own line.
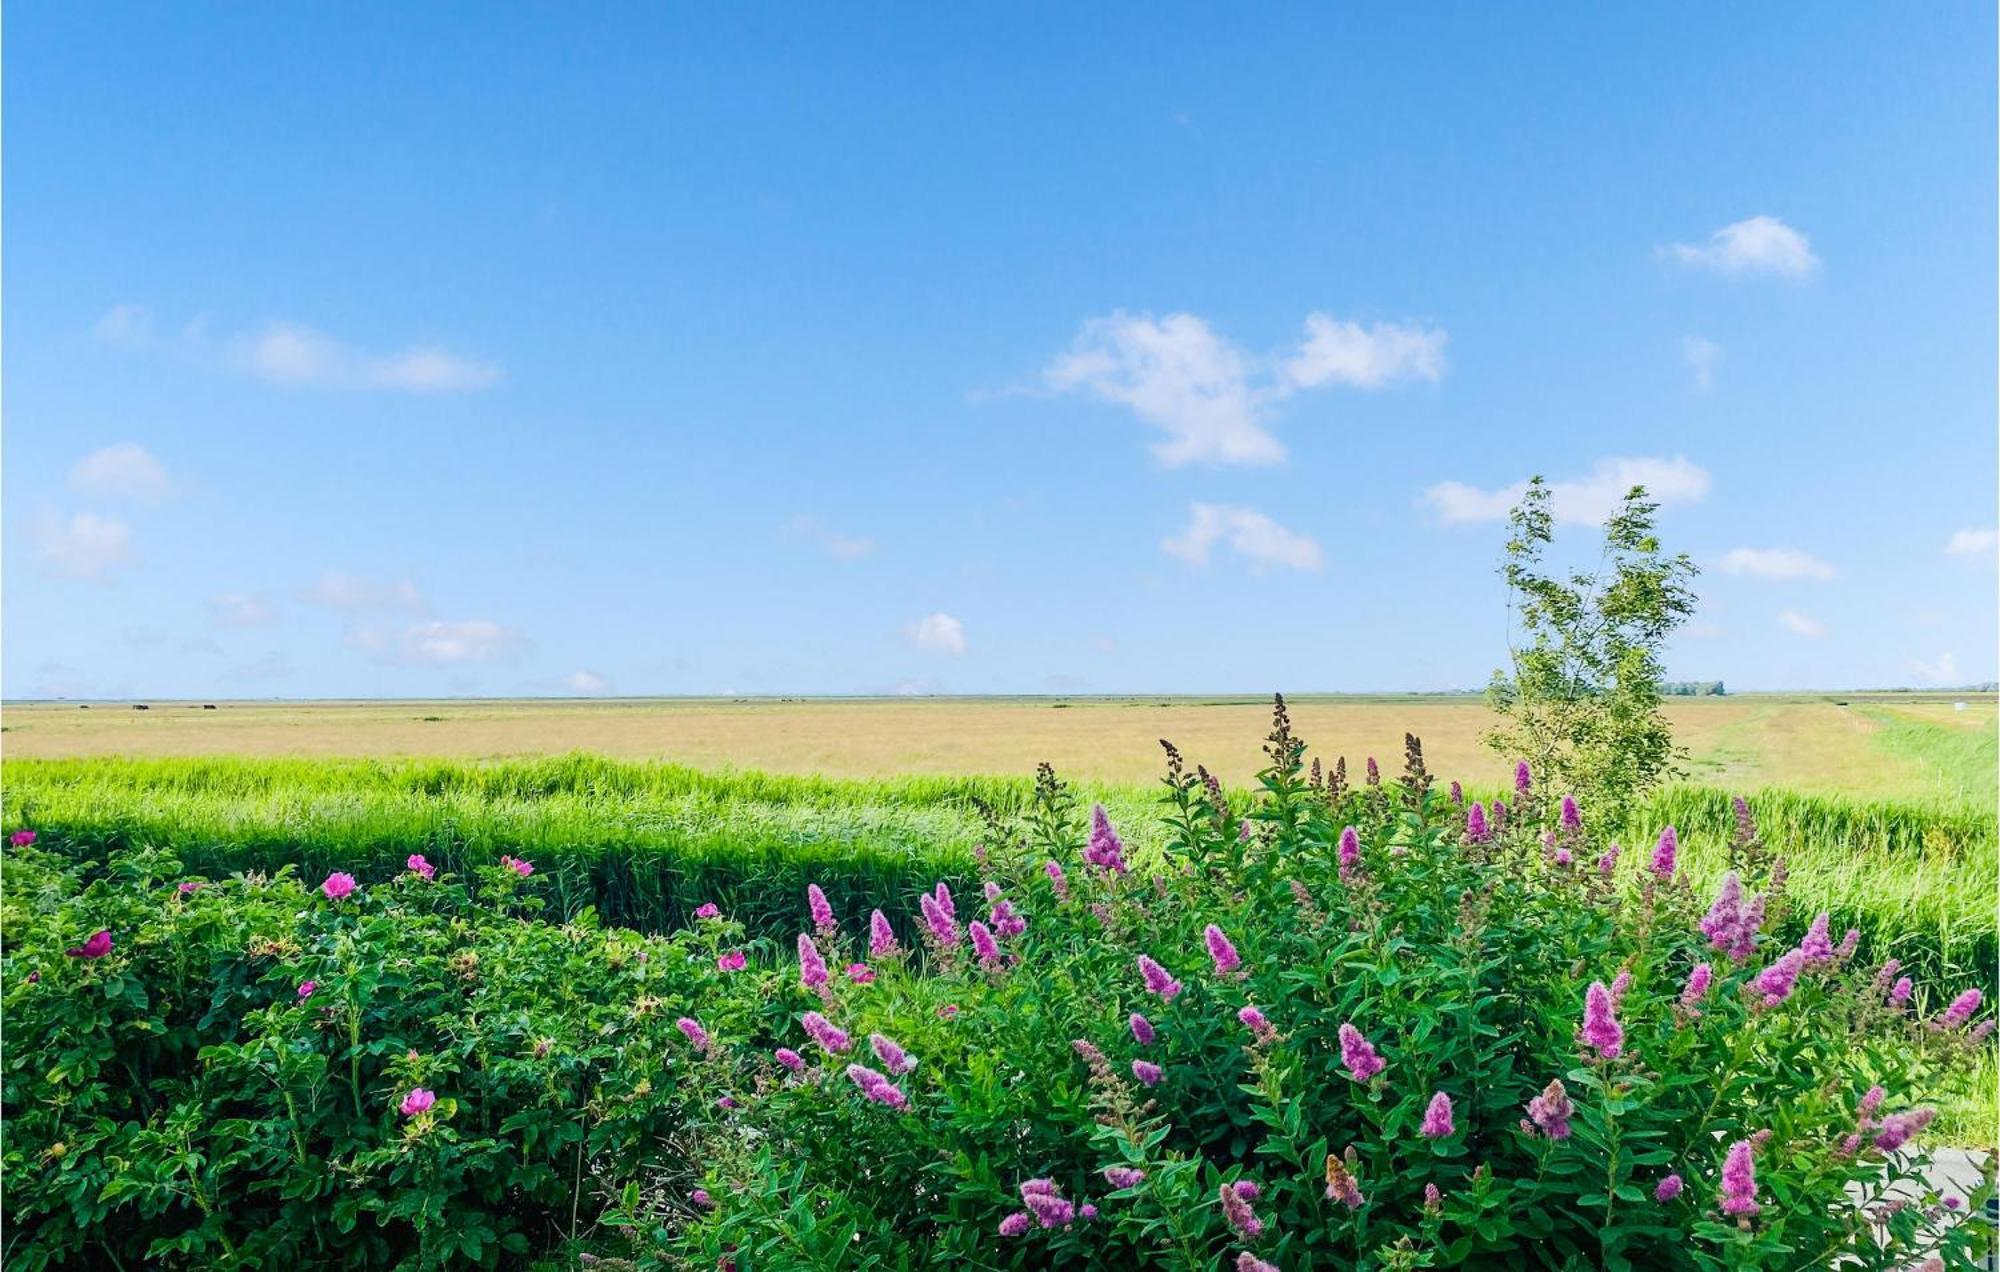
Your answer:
<point x="1692" y="688"/>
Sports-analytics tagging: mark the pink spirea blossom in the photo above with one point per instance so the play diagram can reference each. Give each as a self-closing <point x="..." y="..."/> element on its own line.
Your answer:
<point x="942" y="926"/>
<point x="1551" y="1111"/>
<point x="1524" y="780"/>
<point x="1374" y="772"/>
<point x="1899" y="1129"/>
<point x="1257" y="1023"/>
<point x="1219" y="949"/>
<point x="1563" y="857"/>
<point x="1818" y="943"/>
<point x="812" y="966"/>
<point x="733" y="961"/>
<point x="306" y="989"/>
<point x="1457" y="794"/>
<point x="1900" y="992"/>
<point x="1601" y="1030"/>
<point x="983" y="944"/>
<point x="860" y="973"/>
<point x="1848" y="944"/>
<point x="1007" y="923"/>
<point x="1437" y="1118"/>
<point x="893" y="1057"/>
<point x="1123" y="1176"/>
<point x="1350" y="854"/>
<point x="191" y="886"/>
<point x="701" y="1198"/>
<point x="1747" y="928"/>
<point x="942" y="895"/>
<point x="1142" y="1030"/>
<point x="1499" y="815"/>
<point x="1960" y="1011"/>
<point x="881" y="937"/>
<point x="1475" y="824"/>
<point x="1776" y="982"/>
<point x="339" y="884"/>
<point x="1105" y="850"/>
<point x="1148" y="1073"/>
<point x="1046" y="1202"/>
<point x="876" y="1087"/>
<point x="1664" y="854"/>
<point x="416" y="865"/>
<point x="691" y="1030"/>
<point x="1724" y="914"/>
<point x="1248" y="1262"/>
<point x="1057" y="880"/>
<point x="1236" y="1209"/>
<point x="790" y="1059"/>
<point x="417" y="1101"/>
<point x="1739" y="1181"/>
<point x="1607" y="861"/>
<point x="1870" y="1105"/>
<point x="820" y="908"/>
<point x="823" y="1031"/>
<point x="1015" y="1224"/>
<point x="1697" y="985"/>
<point x="1668" y="1189"/>
<point x="97" y="946"/>
<point x="1157" y="980"/>
<point x="1433" y="1198"/>
<point x="1572" y="816"/>
<point x="708" y="910"/>
<point x="21" y="838"/>
<point x="1358" y="1054"/>
<point x="1619" y="985"/>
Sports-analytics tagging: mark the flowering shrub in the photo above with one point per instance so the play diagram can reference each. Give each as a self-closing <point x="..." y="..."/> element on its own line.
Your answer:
<point x="1323" y="1025"/>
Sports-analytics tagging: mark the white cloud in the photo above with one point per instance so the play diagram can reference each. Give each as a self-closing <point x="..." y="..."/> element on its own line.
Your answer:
<point x="1759" y="245"/>
<point x="939" y="633"/>
<point x="1588" y="499"/>
<point x="1368" y="357"/>
<point x="1973" y="542"/>
<point x="436" y="642"/>
<point x="296" y="355"/>
<point x="1702" y="354"/>
<point x="121" y="471"/>
<point x="1944" y="671"/>
<point x="1775" y="563"/>
<point x="355" y="595"/>
<point x="83" y="546"/>
<point x="586" y="683"/>
<point x="1211" y="398"/>
<point x="1802" y="625"/>
<point x="234" y="609"/>
<point x="839" y="546"/>
<point x="128" y="326"/>
<point x="1251" y="534"/>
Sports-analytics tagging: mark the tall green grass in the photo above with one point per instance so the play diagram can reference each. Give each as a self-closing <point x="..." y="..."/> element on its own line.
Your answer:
<point x="645" y="843"/>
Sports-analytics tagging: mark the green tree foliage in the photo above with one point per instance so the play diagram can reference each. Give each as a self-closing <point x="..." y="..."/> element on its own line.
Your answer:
<point x="1582" y="703"/>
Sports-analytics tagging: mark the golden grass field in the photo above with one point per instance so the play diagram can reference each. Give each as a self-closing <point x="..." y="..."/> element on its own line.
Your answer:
<point x="1818" y="743"/>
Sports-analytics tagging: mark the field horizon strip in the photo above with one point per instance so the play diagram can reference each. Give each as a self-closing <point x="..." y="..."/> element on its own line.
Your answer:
<point x="644" y="842"/>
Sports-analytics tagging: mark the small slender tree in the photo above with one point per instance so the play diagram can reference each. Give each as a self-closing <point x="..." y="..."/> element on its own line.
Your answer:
<point x="1582" y="700"/>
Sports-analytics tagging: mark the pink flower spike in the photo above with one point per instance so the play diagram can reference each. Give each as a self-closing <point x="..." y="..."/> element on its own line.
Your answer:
<point x="1015" y="1224"/>
<point x="1697" y="986"/>
<point x="1236" y="1209"/>
<point x="1358" y="1054"/>
<point x="734" y="961"/>
<point x="1664" y="853"/>
<point x="1123" y="1176"/>
<point x="417" y="1101"/>
<point x="1817" y="947"/>
<point x="983" y="945"/>
<point x="1551" y="1111"/>
<point x="822" y="911"/>
<point x="1148" y="1073"/>
<point x="1437" y="1118"/>
<point x="306" y="989"/>
<point x="1601" y="1031"/>
<point x="339" y="884"/>
<point x="1739" y="1181"/>
<point x="1776" y="982"/>
<point x="1220" y="950"/>
<point x="1669" y="1188"/>
<point x="1257" y="1023"/>
<point x="812" y="967"/>
<point x="1960" y="1011"/>
<point x="1157" y="980"/>
<point x="1350" y="854"/>
<point x="860" y="973"/>
<point x="1057" y="880"/>
<point x="708" y="910"/>
<point x="691" y="1030"/>
<point x="1142" y="1030"/>
<point x="881" y="937"/>
<point x="790" y="1059"/>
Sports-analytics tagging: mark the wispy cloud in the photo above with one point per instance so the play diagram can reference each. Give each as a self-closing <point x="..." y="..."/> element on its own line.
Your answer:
<point x="1758" y="245"/>
<point x="839" y="546"/>
<point x="235" y="609"/>
<point x="1774" y="563"/>
<point x="1214" y="400"/>
<point x="1942" y="671"/>
<point x="1973" y="543"/>
<point x="352" y="594"/>
<point x="1801" y="625"/>
<point x="83" y="546"/>
<point x="1249" y="533"/>
<point x="124" y="470"/>
<point x="126" y="326"/>
<point x="1702" y="354"/>
<point x="939" y="633"/>
<point x="296" y="355"/>
<point x="586" y="683"/>
<point x="439" y="642"/>
<point x="1587" y="499"/>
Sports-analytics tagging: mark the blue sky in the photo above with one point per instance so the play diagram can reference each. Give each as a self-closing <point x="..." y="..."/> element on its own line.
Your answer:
<point x="409" y="350"/>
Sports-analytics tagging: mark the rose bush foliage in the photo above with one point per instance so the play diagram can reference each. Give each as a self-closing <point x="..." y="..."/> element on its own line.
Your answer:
<point x="1329" y="1024"/>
